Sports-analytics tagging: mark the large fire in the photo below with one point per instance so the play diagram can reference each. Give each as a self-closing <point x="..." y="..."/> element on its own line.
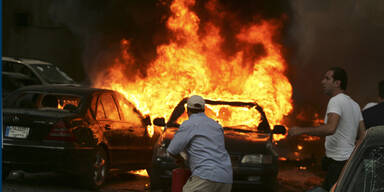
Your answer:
<point x="192" y="63"/>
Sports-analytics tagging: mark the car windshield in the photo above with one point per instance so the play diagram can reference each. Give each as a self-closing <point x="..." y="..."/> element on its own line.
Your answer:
<point x="369" y="175"/>
<point x="52" y="74"/>
<point x="242" y="117"/>
<point x="44" y="101"/>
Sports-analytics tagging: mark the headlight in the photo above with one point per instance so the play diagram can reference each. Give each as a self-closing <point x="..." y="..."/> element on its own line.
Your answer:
<point x="256" y="159"/>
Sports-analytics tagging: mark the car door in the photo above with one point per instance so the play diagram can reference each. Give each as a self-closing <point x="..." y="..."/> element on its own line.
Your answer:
<point x="133" y="121"/>
<point x="118" y="138"/>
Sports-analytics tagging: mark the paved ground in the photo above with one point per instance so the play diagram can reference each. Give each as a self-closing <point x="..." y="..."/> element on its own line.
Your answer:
<point x="291" y="178"/>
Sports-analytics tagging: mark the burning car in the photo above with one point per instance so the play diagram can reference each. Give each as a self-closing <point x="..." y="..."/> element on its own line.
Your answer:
<point x="254" y="159"/>
<point x="365" y="168"/>
<point x="82" y="131"/>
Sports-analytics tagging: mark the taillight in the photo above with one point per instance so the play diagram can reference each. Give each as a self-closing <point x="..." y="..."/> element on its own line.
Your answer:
<point x="60" y="132"/>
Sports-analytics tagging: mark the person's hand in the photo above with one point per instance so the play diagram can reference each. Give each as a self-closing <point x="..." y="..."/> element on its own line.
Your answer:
<point x="293" y="131"/>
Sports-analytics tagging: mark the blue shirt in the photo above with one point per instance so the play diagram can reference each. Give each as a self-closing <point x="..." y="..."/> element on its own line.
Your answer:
<point x="203" y="140"/>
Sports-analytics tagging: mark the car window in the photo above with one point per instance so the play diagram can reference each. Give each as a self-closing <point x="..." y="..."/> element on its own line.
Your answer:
<point x="25" y="100"/>
<point x="109" y="107"/>
<point x="100" y="114"/>
<point x="20" y="68"/>
<point x="14" y="81"/>
<point x="52" y="74"/>
<point x="93" y="105"/>
<point x="129" y="112"/>
<point x="369" y="175"/>
<point x="42" y="101"/>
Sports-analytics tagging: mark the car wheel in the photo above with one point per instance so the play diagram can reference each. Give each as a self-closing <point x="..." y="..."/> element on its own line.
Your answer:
<point x="98" y="170"/>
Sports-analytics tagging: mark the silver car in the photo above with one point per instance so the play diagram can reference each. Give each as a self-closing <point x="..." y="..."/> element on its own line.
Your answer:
<point x="33" y="71"/>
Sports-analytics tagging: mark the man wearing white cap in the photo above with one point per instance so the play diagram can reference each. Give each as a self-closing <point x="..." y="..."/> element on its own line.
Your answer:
<point x="203" y="140"/>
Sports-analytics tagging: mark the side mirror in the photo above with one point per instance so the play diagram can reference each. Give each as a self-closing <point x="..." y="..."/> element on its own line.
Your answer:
<point x="279" y="129"/>
<point x="159" y="122"/>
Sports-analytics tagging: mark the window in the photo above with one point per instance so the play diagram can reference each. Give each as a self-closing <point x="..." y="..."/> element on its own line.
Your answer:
<point x="129" y="112"/>
<point x="109" y="107"/>
<point x="20" y="68"/>
<point x="51" y="73"/>
<point x="42" y="101"/>
<point x="100" y="115"/>
<point x="370" y="172"/>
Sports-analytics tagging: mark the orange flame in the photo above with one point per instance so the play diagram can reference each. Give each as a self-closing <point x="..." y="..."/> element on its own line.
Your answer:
<point x="192" y="63"/>
<point x="141" y="172"/>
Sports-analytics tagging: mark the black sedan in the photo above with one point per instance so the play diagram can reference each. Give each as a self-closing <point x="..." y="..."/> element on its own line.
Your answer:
<point x="82" y="131"/>
<point x="254" y="159"/>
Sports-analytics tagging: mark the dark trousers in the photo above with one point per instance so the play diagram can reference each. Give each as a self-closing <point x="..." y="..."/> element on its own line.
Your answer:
<point x="333" y="169"/>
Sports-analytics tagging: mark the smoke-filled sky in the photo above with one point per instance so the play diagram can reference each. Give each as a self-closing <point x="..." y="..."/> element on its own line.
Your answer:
<point x="327" y="33"/>
<point x="317" y="35"/>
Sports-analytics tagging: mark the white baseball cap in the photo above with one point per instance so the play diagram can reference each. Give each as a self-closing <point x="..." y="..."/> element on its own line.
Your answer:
<point x="195" y="102"/>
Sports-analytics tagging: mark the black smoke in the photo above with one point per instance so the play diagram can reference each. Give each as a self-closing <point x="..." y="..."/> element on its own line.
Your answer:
<point x="326" y="33"/>
<point x="102" y="24"/>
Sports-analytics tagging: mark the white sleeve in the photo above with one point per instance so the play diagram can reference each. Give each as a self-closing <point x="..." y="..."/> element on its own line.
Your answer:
<point x="361" y="116"/>
<point x="334" y="106"/>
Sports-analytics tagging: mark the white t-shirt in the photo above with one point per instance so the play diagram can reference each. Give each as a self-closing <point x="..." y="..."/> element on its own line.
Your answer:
<point x="340" y="145"/>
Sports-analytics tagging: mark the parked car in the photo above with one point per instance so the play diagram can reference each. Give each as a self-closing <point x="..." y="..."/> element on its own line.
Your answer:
<point x="364" y="170"/>
<point x="18" y="72"/>
<point x="254" y="159"/>
<point x="82" y="131"/>
<point x="13" y="81"/>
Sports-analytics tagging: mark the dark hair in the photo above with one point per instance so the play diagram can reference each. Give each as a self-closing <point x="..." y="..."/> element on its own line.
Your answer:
<point x="190" y="110"/>
<point x="381" y="89"/>
<point x="341" y="75"/>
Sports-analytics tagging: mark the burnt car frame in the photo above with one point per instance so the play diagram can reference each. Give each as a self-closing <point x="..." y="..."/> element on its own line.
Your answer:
<point x="253" y="154"/>
<point x="82" y="131"/>
<point x="364" y="170"/>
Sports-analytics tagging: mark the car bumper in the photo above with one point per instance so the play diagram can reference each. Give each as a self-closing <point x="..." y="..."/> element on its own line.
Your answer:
<point x="244" y="177"/>
<point x="43" y="157"/>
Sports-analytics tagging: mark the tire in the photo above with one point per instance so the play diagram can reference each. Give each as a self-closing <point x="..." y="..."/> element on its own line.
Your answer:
<point x="98" y="171"/>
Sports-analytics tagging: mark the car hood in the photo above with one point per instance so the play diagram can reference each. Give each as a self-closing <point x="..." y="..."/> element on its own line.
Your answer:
<point x="235" y="141"/>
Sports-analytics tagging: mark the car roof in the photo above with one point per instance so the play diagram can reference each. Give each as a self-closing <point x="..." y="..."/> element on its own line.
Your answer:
<point x="375" y="136"/>
<point x="63" y="88"/>
<point x="179" y="109"/>
<point x="26" y="61"/>
<point x="231" y="103"/>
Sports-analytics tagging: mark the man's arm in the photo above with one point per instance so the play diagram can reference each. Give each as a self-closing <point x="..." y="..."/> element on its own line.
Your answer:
<point x="179" y="142"/>
<point x="361" y="132"/>
<point x="322" y="130"/>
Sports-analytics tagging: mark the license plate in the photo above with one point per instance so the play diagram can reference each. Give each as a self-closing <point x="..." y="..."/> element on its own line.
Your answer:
<point x="17" y="132"/>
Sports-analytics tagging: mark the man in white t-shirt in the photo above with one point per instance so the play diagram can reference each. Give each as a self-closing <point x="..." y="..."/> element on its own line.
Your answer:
<point x="343" y="127"/>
